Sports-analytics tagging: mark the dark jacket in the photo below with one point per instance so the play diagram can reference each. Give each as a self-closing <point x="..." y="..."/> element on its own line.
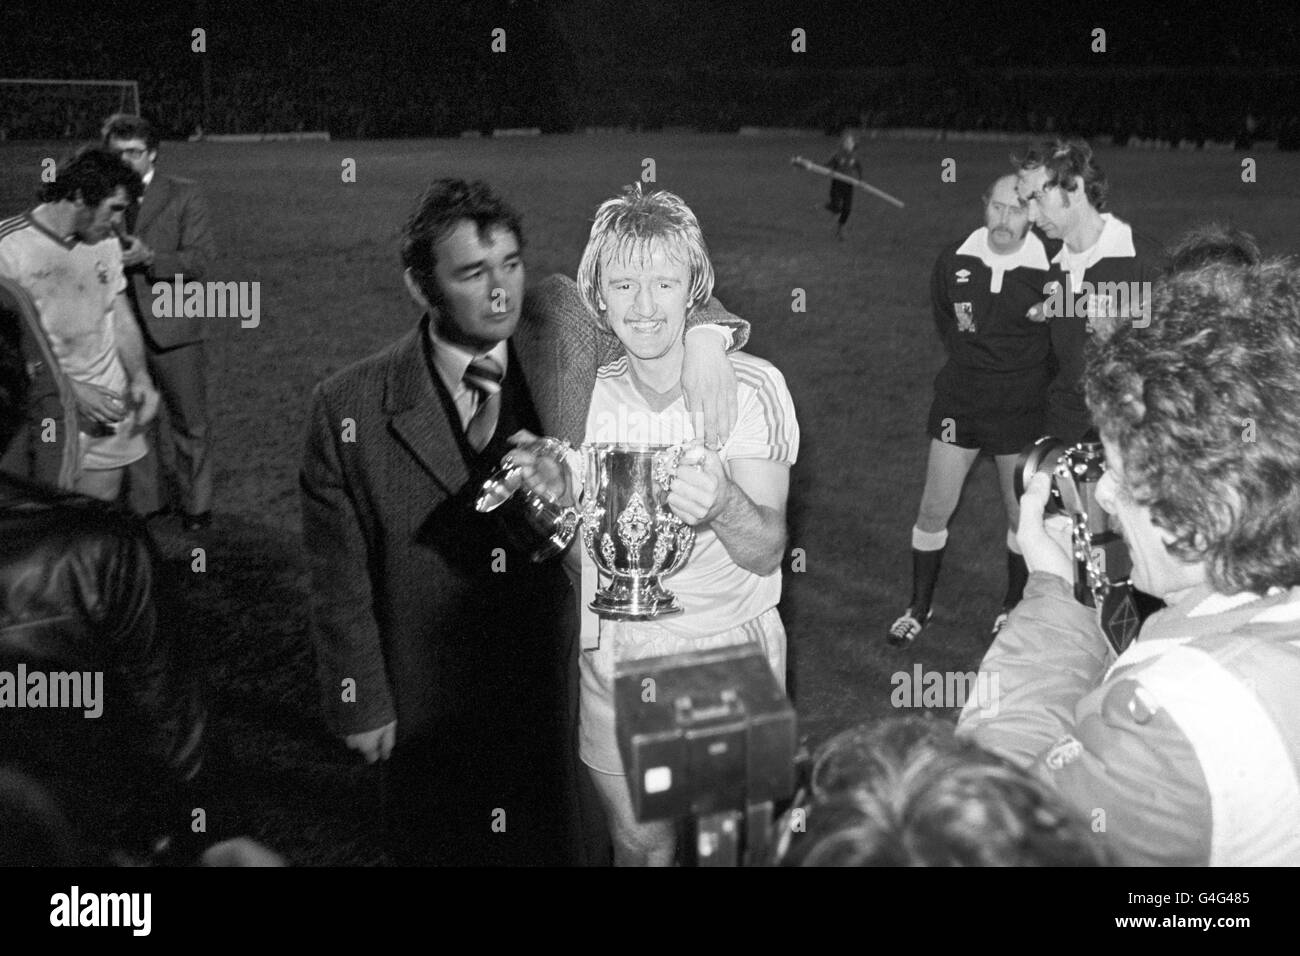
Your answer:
<point x="76" y="595"/>
<point x="45" y="450"/>
<point x="175" y="223"/>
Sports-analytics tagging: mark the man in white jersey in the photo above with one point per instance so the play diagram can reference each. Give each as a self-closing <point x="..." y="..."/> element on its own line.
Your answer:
<point x="644" y="270"/>
<point x="65" y="254"/>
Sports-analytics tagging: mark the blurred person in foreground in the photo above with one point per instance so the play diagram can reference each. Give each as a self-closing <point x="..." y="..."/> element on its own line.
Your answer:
<point x="1188" y="744"/>
<point x="906" y="792"/>
<point x="77" y="612"/>
<point x="1209" y="243"/>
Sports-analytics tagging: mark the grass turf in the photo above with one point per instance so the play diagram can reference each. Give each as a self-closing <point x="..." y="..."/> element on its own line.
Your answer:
<point x="859" y="363"/>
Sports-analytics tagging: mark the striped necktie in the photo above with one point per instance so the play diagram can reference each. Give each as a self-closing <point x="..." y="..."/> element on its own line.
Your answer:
<point x="484" y="376"/>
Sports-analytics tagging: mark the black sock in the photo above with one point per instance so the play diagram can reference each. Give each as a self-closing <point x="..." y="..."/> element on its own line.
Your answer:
<point x="925" y="574"/>
<point x="1017" y="578"/>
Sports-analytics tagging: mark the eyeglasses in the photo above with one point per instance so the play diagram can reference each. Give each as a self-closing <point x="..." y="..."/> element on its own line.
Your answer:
<point x="132" y="152"/>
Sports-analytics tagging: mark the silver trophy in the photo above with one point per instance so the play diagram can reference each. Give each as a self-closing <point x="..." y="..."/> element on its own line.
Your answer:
<point x="627" y="527"/>
<point x="629" y="530"/>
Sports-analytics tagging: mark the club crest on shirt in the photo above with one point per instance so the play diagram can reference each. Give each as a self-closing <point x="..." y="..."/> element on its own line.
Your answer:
<point x="965" y="314"/>
<point x="963" y="275"/>
<point x="1066" y="750"/>
<point x="101" y="270"/>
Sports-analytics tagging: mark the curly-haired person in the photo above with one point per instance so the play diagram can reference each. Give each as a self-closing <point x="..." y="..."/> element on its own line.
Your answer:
<point x="905" y="792"/>
<point x="1186" y="749"/>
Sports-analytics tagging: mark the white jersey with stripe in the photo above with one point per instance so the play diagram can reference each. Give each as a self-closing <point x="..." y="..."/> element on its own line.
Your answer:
<point x="1183" y="751"/>
<point x="716" y="593"/>
<point x="1226" y="671"/>
<point x="74" y="286"/>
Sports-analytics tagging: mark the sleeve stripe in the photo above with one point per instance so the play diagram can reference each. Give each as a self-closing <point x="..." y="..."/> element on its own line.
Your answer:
<point x="777" y="410"/>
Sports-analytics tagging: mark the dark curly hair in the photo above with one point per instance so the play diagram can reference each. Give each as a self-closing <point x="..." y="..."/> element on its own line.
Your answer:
<point x="1211" y="242"/>
<point x="1204" y="408"/>
<point x="1066" y="161"/>
<point x="91" y="174"/>
<point x="443" y="204"/>
<point x="906" y="792"/>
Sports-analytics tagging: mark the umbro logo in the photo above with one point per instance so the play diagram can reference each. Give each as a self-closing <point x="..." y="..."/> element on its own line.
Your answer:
<point x="963" y="275"/>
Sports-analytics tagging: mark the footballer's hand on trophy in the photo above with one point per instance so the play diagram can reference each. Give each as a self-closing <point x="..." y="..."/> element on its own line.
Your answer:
<point x="1047" y="543"/>
<point x="701" y="486"/>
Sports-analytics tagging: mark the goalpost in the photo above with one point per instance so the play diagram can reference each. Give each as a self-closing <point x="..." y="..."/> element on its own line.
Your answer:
<point x="62" y="109"/>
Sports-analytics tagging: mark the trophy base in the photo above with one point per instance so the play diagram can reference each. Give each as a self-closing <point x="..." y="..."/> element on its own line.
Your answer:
<point x="627" y="602"/>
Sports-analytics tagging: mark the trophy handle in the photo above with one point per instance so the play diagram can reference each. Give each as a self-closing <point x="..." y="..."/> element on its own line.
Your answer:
<point x="685" y="542"/>
<point x="665" y="466"/>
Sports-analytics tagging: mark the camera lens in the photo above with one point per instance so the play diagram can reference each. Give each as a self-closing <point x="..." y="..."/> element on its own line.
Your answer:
<point x="1043" y="456"/>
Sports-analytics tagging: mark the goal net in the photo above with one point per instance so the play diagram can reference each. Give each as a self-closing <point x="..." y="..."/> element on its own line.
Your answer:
<point x="62" y="109"/>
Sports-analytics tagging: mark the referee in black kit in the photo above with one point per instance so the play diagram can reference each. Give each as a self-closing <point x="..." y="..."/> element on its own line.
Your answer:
<point x="990" y="396"/>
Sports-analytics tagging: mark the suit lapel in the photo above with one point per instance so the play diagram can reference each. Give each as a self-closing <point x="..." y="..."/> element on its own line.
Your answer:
<point x="417" y="416"/>
<point x="155" y="200"/>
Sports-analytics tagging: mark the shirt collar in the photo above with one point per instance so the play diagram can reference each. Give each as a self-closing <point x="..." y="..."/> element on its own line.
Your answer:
<point x="452" y="360"/>
<point x="1115" y="242"/>
<point x="67" y="242"/>
<point x="147" y="178"/>
<point x="1031" y="253"/>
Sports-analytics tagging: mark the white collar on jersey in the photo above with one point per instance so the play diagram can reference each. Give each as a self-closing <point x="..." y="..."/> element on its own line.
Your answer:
<point x="1031" y="255"/>
<point x="1115" y="242"/>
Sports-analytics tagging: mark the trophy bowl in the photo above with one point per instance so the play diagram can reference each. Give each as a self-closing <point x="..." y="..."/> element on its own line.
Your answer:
<point x="629" y="531"/>
<point x="535" y="521"/>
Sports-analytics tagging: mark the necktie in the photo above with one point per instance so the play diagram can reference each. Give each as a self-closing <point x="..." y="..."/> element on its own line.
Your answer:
<point x="484" y="376"/>
<point x="133" y="215"/>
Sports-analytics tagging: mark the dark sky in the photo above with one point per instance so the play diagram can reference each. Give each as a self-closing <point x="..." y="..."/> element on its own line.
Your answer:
<point x="1249" y="33"/>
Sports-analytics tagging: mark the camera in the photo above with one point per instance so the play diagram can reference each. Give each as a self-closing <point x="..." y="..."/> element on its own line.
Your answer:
<point x="710" y="737"/>
<point x="1102" y="563"/>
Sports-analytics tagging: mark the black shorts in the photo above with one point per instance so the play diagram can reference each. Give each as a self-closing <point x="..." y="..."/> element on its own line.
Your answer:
<point x="995" y="412"/>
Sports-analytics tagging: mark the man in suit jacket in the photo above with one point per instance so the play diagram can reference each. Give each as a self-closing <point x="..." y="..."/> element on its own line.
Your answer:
<point x="438" y="642"/>
<point x="169" y="235"/>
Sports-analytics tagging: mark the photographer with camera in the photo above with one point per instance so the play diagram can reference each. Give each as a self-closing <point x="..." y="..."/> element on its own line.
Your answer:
<point x="1184" y="749"/>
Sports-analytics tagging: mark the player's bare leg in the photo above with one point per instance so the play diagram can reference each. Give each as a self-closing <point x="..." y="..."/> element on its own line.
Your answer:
<point x="945" y="474"/>
<point x="635" y="843"/>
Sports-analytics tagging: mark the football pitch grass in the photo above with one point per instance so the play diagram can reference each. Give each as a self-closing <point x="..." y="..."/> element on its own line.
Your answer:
<point x="859" y="362"/>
